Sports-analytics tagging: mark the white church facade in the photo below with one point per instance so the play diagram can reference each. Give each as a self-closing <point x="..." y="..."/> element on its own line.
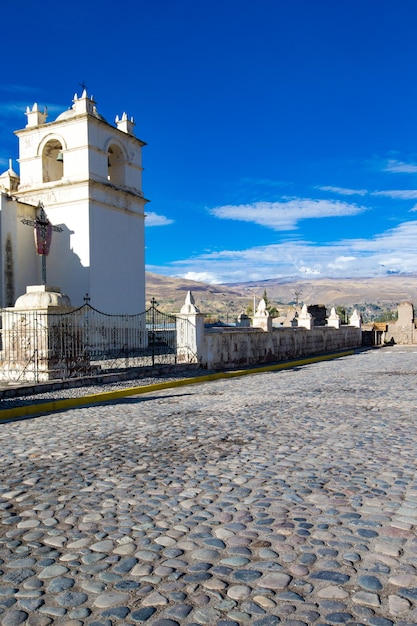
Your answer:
<point x="87" y="174"/>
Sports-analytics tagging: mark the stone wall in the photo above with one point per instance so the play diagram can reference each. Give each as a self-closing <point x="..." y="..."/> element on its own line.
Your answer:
<point x="228" y="348"/>
<point x="403" y="331"/>
<point x="231" y="347"/>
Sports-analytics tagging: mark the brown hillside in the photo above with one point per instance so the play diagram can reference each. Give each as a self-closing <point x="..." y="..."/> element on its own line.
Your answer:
<point x="230" y="300"/>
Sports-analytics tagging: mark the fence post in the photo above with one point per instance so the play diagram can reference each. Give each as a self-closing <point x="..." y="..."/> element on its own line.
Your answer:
<point x="190" y="333"/>
<point x="153" y="337"/>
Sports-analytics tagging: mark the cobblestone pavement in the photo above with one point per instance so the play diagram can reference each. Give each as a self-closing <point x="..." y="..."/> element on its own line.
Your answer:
<point x="287" y="497"/>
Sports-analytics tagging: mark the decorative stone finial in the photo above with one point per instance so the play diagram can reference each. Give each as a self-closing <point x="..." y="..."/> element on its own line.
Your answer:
<point x="305" y="319"/>
<point x="355" y="319"/>
<point x="9" y="180"/>
<point x="334" y="319"/>
<point x="189" y="305"/>
<point x="261" y="311"/>
<point x="84" y="103"/>
<point x="35" y="116"/>
<point x="124" y="124"/>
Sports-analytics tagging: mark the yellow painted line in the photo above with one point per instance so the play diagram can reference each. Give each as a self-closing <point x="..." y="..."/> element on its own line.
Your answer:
<point x="52" y="406"/>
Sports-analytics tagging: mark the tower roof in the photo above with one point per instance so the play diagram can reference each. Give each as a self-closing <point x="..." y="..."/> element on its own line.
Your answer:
<point x="82" y="104"/>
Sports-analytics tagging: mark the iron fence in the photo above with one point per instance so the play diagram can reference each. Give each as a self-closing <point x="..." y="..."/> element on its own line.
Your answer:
<point x="38" y="345"/>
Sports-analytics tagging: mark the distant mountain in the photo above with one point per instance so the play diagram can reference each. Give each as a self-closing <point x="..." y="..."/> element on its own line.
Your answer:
<point x="213" y="300"/>
<point x="232" y="299"/>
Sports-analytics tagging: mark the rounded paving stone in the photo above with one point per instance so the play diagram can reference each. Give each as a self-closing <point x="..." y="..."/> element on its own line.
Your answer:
<point x="370" y="583"/>
<point x="31" y="604"/>
<point x="179" y="611"/>
<point x="14" y="618"/>
<point x="18" y="576"/>
<point x="119" y="612"/>
<point x="56" y="611"/>
<point x="71" y="598"/>
<point x="238" y="592"/>
<point x="60" y="584"/>
<point x="398" y="605"/>
<point x="409" y="593"/>
<point x="80" y="613"/>
<point x="235" y="561"/>
<point x="339" y="618"/>
<point x="7" y="603"/>
<point x="52" y="571"/>
<point x="126" y="584"/>
<point x="39" y="620"/>
<point x="290" y="596"/>
<point x="155" y="599"/>
<point x="105" y="546"/>
<point x="27" y="562"/>
<point x="331" y="576"/>
<point x="367" y="533"/>
<point x="142" y="615"/>
<point x="197" y="577"/>
<point x="270" y="620"/>
<point x="206" y="616"/>
<point x="274" y="581"/>
<point x="110" y="599"/>
<point x="247" y="575"/>
<point x="205" y="554"/>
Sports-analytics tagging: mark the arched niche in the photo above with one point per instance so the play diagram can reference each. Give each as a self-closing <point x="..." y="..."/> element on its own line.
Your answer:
<point x="52" y="161"/>
<point x="116" y="162"/>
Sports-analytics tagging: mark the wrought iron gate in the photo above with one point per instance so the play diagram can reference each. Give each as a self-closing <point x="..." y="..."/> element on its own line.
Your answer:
<point x="40" y="346"/>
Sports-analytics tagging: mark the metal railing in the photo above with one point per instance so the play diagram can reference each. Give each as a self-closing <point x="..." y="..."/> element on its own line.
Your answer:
<point x="38" y="345"/>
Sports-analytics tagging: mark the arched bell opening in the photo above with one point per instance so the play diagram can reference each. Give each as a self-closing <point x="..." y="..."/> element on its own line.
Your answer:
<point x="115" y="165"/>
<point x="52" y="161"/>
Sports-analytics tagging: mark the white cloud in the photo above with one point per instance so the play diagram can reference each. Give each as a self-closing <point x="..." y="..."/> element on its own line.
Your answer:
<point x="285" y="215"/>
<point x="309" y="270"/>
<point x="387" y="252"/>
<point x="342" y="262"/>
<point x="201" y="277"/>
<point x="8" y="87"/>
<point x="153" y="219"/>
<point x="264" y="182"/>
<point x="343" y="191"/>
<point x="8" y="109"/>
<point x="400" y="167"/>
<point x="397" y="194"/>
<point x="17" y="109"/>
<point x="402" y="239"/>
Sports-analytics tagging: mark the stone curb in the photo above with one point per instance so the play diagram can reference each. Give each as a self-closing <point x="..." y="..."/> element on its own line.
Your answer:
<point x="53" y="406"/>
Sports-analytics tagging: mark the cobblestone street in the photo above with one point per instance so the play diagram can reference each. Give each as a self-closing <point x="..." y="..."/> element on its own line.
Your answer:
<point x="287" y="497"/>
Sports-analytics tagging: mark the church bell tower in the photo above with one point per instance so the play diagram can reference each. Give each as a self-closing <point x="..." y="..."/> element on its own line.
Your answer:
<point x="87" y="174"/>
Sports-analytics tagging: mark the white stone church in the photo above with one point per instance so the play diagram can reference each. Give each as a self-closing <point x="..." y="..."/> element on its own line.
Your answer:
<point x="87" y="174"/>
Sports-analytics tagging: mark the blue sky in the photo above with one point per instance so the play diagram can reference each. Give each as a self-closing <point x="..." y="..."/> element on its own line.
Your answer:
<point x="282" y="134"/>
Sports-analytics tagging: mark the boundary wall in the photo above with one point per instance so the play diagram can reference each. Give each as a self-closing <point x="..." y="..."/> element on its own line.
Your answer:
<point x="261" y="343"/>
<point x="225" y="348"/>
